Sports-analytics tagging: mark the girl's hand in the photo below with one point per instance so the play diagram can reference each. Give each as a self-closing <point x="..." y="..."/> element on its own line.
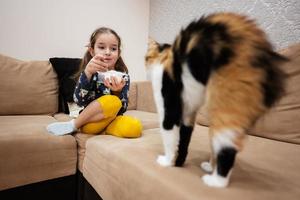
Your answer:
<point x="96" y="64"/>
<point x="115" y="84"/>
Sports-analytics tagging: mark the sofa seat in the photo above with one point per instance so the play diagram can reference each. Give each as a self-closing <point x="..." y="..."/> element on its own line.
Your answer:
<point x="81" y="140"/>
<point x="126" y="169"/>
<point x="148" y="120"/>
<point x="29" y="154"/>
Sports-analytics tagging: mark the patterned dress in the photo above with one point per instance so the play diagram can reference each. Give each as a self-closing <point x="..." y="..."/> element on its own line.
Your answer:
<point x="86" y="91"/>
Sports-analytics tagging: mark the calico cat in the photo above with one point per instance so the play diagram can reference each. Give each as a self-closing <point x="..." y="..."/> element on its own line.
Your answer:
<point x="225" y="61"/>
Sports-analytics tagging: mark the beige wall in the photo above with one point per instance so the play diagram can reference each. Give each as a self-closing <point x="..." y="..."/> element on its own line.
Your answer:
<point x="40" y="29"/>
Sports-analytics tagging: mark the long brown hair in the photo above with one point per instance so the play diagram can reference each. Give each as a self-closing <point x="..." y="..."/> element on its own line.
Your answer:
<point x="120" y="65"/>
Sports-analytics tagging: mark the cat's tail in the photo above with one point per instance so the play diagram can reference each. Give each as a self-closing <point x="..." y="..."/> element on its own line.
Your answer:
<point x="274" y="82"/>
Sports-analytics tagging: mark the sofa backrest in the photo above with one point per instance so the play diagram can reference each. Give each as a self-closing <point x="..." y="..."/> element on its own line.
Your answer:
<point x="132" y="96"/>
<point x="27" y="87"/>
<point x="282" y="121"/>
<point x="145" y="99"/>
<point x="141" y="96"/>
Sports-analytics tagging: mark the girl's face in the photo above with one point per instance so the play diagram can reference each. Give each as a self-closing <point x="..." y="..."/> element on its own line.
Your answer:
<point x="107" y="46"/>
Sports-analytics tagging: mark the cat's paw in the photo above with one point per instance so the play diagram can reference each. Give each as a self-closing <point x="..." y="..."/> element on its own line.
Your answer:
<point x="206" y="166"/>
<point x="164" y="161"/>
<point x="215" y="181"/>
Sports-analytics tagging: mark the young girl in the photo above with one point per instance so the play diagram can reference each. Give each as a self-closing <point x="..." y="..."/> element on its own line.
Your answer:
<point x="103" y="98"/>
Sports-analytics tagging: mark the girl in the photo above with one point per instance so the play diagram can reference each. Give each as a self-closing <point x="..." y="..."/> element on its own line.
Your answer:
<point x="103" y="98"/>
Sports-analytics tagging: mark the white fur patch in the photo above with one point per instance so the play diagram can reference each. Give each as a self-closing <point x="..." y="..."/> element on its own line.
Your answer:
<point x="156" y="73"/>
<point x="207" y="167"/>
<point x="170" y="137"/>
<point x="170" y="140"/>
<point x="219" y="141"/>
<point x="214" y="180"/>
<point x="192" y="95"/>
<point x="223" y="139"/>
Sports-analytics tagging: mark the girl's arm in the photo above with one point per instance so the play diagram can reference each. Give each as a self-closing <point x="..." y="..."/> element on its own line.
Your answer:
<point x="83" y="93"/>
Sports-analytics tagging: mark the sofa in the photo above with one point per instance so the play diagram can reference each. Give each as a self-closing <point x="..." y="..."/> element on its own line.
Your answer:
<point x="37" y="165"/>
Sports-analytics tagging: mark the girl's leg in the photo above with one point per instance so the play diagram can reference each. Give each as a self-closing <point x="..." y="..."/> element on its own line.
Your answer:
<point x="104" y="108"/>
<point x="125" y="126"/>
<point x="109" y="106"/>
<point x="94" y="128"/>
<point x="92" y="113"/>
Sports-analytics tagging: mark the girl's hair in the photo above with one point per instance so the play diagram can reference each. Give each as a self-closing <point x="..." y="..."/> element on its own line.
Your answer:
<point x="120" y="65"/>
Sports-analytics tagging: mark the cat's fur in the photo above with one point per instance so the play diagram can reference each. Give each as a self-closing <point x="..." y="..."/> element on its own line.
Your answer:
<point x="224" y="60"/>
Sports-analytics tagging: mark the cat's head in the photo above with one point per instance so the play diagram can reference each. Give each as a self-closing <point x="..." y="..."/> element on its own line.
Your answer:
<point x="158" y="55"/>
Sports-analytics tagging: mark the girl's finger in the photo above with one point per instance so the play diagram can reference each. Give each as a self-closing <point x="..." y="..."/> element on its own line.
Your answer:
<point x="98" y="57"/>
<point x="123" y="82"/>
<point x="107" y="83"/>
<point x="100" y="68"/>
<point x="114" y="81"/>
<point x="102" y="65"/>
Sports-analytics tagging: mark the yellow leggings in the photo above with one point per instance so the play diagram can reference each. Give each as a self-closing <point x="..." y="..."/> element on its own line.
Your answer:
<point x="121" y="126"/>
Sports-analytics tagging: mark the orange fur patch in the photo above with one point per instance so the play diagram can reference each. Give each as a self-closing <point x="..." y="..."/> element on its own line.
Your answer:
<point x="165" y="57"/>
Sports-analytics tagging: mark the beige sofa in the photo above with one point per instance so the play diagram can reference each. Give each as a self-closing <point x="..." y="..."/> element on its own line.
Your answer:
<point x="28" y="154"/>
<point x="126" y="169"/>
<point x="268" y="168"/>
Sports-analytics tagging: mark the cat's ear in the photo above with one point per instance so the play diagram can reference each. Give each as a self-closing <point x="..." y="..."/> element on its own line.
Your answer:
<point x="152" y="43"/>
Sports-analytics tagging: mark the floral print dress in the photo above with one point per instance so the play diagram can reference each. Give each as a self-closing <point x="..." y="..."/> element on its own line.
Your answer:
<point x="87" y="91"/>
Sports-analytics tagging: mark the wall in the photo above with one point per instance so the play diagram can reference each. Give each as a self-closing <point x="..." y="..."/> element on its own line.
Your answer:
<point x="40" y="29"/>
<point x="279" y="18"/>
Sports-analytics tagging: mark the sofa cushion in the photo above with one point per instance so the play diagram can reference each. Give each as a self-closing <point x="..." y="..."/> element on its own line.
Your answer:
<point x="149" y="121"/>
<point x="282" y="121"/>
<point x="81" y="139"/>
<point x="29" y="154"/>
<point x="145" y="99"/>
<point x="126" y="169"/>
<point x="132" y="96"/>
<point x="27" y="87"/>
<point x="66" y="69"/>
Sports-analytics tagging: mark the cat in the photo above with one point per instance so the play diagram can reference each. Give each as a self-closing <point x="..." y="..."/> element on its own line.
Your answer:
<point x="222" y="60"/>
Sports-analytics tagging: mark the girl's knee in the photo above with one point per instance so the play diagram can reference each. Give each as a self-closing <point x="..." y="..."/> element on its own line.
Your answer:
<point x="94" y="128"/>
<point x="110" y="105"/>
<point x="125" y="126"/>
